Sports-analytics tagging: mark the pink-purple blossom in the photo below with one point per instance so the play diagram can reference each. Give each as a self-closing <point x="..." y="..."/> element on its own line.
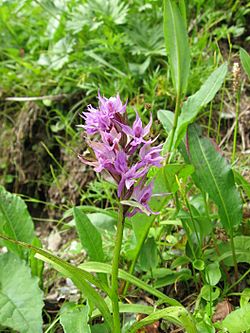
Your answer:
<point x="125" y="152"/>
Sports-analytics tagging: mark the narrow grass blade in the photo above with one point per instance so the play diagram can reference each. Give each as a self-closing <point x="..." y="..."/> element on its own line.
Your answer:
<point x="98" y="267"/>
<point x="174" y="314"/>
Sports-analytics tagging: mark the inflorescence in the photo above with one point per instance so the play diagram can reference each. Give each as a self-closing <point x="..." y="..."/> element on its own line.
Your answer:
<point x="122" y="150"/>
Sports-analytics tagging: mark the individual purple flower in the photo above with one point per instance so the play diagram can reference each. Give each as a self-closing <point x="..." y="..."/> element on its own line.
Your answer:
<point x="142" y="194"/>
<point x="105" y="157"/>
<point x="97" y="120"/>
<point x="111" y="106"/>
<point x="128" y="178"/>
<point x="137" y="132"/>
<point x="121" y="150"/>
<point x="151" y="155"/>
<point x="111" y="139"/>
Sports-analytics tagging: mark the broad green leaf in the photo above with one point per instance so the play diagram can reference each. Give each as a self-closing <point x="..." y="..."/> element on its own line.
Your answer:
<point x="15" y="220"/>
<point x="103" y="221"/>
<point x="98" y="267"/>
<point x="148" y="256"/>
<point x="245" y="297"/>
<point x="74" y="318"/>
<point x="174" y="314"/>
<point x="81" y="278"/>
<point x="213" y="273"/>
<point x="199" y="264"/>
<point x="242" y="250"/>
<point x="210" y="293"/>
<point x="177" y="47"/>
<point x="214" y="175"/>
<point x="238" y="321"/>
<point x="90" y="237"/>
<point x="245" y="61"/>
<point x="201" y="98"/>
<point x="20" y="297"/>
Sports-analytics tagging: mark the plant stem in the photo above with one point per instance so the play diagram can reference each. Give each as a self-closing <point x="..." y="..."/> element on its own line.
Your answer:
<point x="210" y="118"/>
<point x="237" y="111"/>
<point x="115" y="267"/>
<point x="139" y="247"/>
<point x="176" y="116"/>
<point x="237" y="282"/>
<point x="236" y="272"/>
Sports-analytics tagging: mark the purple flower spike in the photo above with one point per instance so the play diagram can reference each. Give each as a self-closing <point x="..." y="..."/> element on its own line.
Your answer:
<point x="121" y="150"/>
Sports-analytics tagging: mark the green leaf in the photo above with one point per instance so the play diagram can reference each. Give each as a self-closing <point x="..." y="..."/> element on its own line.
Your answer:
<point x="245" y="297"/>
<point x="74" y="318"/>
<point x="201" y="98"/>
<point x="103" y="221"/>
<point x="213" y="273"/>
<point x="15" y="220"/>
<point x="245" y="61"/>
<point x="148" y="256"/>
<point x="35" y="264"/>
<point x="172" y="277"/>
<point x="214" y="175"/>
<point x="98" y="267"/>
<point x="20" y="297"/>
<point x="177" y="47"/>
<point x="199" y="264"/>
<point x="238" y="321"/>
<point x="210" y="293"/>
<point x="167" y="119"/>
<point x="174" y="314"/>
<point x="100" y="328"/>
<point x="242" y="250"/>
<point x="90" y="237"/>
<point x="81" y="278"/>
<point x="241" y="181"/>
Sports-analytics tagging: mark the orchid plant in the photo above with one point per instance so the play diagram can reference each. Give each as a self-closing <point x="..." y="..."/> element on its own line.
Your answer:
<point x="125" y="153"/>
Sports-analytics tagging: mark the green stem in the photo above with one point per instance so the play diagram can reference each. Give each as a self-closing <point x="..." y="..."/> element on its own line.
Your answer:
<point x="139" y="246"/>
<point x="237" y="111"/>
<point x="210" y="118"/>
<point x="236" y="272"/>
<point x="236" y="282"/>
<point x="115" y="267"/>
<point x="176" y="116"/>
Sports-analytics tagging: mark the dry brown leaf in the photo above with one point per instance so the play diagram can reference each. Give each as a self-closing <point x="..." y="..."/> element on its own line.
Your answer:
<point x="222" y="310"/>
